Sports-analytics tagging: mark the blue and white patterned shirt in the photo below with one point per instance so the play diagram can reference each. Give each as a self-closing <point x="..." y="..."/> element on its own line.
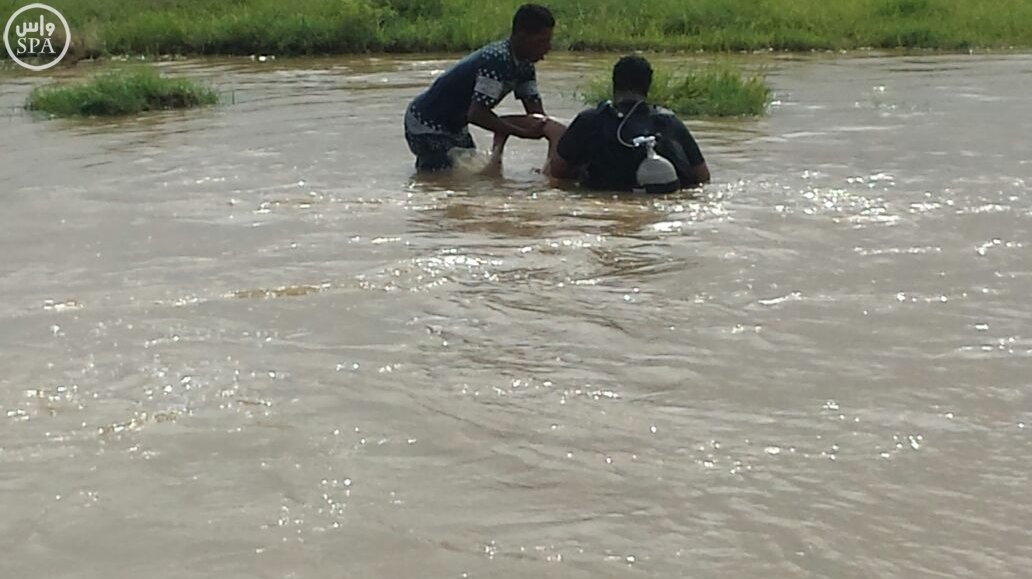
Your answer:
<point x="486" y="76"/>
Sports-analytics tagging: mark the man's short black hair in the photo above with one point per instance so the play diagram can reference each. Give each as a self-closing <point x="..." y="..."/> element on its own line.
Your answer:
<point x="532" y="18"/>
<point x="632" y="74"/>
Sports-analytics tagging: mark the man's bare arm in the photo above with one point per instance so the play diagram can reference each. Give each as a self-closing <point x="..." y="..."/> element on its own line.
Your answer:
<point x="534" y="107"/>
<point x="701" y="173"/>
<point x="485" y="118"/>
<point x="556" y="166"/>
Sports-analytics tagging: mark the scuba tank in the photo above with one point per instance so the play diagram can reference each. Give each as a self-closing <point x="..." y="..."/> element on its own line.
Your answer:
<point x="655" y="173"/>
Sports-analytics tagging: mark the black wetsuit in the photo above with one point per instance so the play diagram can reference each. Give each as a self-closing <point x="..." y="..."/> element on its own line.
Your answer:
<point x="591" y="142"/>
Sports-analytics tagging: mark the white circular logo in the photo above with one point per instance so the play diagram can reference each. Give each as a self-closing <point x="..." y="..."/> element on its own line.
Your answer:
<point x="35" y="37"/>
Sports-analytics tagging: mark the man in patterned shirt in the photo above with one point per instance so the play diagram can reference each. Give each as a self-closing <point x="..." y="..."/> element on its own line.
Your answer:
<point x="437" y="120"/>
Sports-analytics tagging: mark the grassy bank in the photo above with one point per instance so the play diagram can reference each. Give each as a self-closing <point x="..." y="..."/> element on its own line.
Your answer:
<point x="343" y="26"/>
<point x="121" y="92"/>
<point x="716" y="90"/>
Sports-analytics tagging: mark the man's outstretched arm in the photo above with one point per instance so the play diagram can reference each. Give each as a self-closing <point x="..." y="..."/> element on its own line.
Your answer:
<point x="485" y="118"/>
<point x="569" y="148"/>
<point x="534" y="106"/>
<point x="700" y="171"/>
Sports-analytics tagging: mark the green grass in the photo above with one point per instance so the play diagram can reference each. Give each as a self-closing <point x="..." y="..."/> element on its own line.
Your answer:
<point x="122" y="92"/>
<point x="347" y="26"/>
<point x="714" y="90"/>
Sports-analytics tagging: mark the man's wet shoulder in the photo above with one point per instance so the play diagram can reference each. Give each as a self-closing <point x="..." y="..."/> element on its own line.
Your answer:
<point x="665" y="113"/>
<point x="667" y="118"/>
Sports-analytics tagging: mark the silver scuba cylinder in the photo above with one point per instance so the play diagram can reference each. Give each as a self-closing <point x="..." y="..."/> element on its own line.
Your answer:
<point x="655" y="174"/>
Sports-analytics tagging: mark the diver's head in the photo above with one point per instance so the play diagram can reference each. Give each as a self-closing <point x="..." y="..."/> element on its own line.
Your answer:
<point x="632" y="75"/>
<point x="532" y="28"/>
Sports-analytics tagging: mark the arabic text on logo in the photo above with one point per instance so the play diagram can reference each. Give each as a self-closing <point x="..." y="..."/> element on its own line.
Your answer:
<point x="34" y="27"/>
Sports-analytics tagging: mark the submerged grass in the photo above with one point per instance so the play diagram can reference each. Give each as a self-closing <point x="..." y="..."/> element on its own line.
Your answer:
<point x="122" y="92"/>
<point x="714" y="90"/>
<point x="344" y="26"/>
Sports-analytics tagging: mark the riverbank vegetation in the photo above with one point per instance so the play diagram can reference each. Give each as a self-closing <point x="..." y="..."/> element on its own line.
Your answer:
<point x="121" y="92"/>
<point x="347" y="26"/>
<point x="714" y="90"/>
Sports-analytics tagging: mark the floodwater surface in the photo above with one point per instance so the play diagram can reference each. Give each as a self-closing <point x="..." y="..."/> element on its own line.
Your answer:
<point x="246" y="341"/>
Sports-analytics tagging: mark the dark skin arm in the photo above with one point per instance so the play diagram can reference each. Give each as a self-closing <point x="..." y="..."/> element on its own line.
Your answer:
<point x="560" y="169"/>
<point x="557" y="167"/>
<point x="485" y="118"/>
<point x="534" y="107"/>
<point x="701" y="173"/>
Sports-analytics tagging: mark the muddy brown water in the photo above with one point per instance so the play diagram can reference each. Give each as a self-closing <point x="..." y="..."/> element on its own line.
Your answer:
<point x="245" y="342"/>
